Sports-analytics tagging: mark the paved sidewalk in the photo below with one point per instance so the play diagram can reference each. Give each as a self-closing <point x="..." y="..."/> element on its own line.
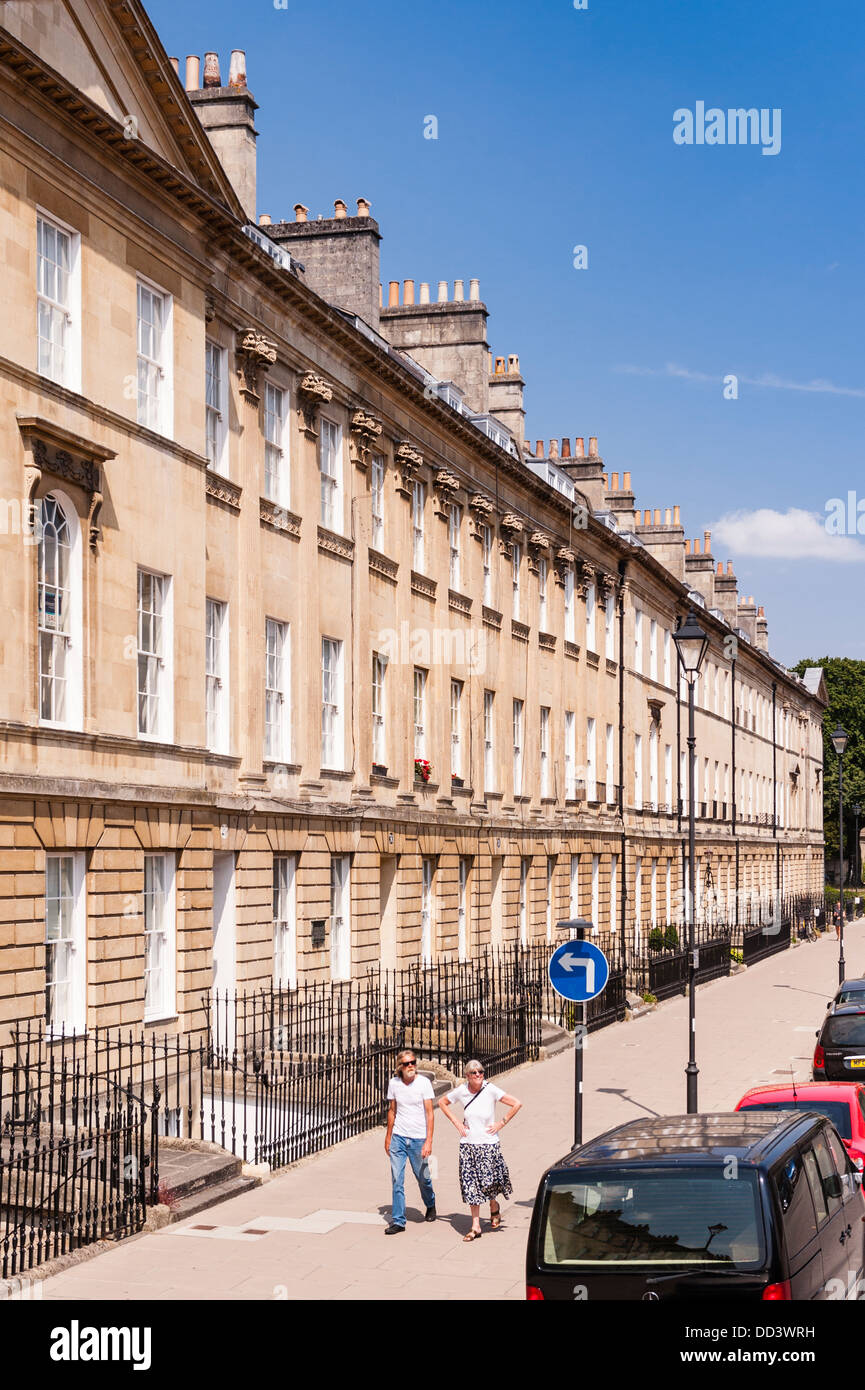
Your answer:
<point x="316" y="1231"/>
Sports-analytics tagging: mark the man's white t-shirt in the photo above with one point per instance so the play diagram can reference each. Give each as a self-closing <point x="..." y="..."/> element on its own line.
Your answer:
<point x="410" y="1120"/>
<point x="480" y="1113"/>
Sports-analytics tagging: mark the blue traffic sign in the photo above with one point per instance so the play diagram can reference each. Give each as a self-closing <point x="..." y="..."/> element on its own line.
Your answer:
<point x="578" y="971"/>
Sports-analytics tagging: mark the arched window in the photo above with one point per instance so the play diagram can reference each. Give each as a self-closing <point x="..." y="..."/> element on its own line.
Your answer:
<point x="59" y="617"/>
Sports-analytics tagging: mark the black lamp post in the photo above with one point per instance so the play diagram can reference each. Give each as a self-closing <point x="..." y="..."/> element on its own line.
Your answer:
<point x="839" y="743"/>
<point x="691" y="643"/>
<point x="857" y="854"/>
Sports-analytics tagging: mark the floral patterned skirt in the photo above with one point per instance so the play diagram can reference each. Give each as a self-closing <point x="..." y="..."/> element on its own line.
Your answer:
<point x="483" y="1173"/>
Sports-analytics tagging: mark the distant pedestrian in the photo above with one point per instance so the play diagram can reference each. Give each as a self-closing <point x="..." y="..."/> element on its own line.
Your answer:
<point x="484" y="1174"/>
<point x="410" y="1120"/>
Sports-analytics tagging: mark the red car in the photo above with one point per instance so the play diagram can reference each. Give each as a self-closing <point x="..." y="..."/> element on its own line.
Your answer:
<point x="842" y="1102"/>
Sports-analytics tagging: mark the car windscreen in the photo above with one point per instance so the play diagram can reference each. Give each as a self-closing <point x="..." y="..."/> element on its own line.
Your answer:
<point x="850" y="994"/>
<point x="838" y="1111"/>
<point x="844" y="1030"/>
<point x="640" y="1219"/>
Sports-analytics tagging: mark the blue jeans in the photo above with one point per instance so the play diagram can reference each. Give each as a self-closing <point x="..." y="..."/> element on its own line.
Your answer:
<point x="400" y="1150"/>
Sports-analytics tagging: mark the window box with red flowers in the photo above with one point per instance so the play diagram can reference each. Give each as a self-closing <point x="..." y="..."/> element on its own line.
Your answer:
<point x="422" y="770"/>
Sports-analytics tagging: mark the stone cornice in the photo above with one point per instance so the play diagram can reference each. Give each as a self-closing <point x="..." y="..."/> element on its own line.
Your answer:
<point x="222" y="490"/>
<point x="279" y="518"/>
<point x="333" y="544"/>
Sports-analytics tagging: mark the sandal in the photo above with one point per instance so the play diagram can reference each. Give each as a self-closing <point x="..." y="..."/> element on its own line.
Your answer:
<point x="496" y="1218"/>
<point x="472" y="1235"/>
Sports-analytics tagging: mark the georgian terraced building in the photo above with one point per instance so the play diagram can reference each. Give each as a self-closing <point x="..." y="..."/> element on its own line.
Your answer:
<point x="308" y="661"/>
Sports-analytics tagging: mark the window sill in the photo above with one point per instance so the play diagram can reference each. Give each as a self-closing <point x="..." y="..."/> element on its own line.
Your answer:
<point x="150" y="1022"/>
<point x="336" y="774"/>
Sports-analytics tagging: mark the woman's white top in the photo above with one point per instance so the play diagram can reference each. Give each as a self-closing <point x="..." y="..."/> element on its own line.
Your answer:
<point x="481" y="1112"/>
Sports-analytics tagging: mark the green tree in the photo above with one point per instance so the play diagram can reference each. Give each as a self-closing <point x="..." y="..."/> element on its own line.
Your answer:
<point x="845" y="687"/>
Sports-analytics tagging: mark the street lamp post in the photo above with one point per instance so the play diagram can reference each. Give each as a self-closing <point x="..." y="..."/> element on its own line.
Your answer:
<point x="857" y="855"/>
<point x="691" y="643"/>
<point x="839" y="743"/>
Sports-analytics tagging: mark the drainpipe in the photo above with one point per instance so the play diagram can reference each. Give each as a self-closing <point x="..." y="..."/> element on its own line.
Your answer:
<point x="775" y="790"/>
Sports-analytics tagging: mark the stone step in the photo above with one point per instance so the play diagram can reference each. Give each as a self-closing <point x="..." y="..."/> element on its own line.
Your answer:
<point x="186" y="1172"/>
<point x="211" y="1196"/>
<point x="554" y="1039"/>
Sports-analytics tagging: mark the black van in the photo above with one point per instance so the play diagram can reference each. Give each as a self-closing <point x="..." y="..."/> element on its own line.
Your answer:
<point x="753" y="1205"/>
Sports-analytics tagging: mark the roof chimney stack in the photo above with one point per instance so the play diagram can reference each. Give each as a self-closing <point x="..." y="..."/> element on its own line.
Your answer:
<point x="193" y="67"/>
<point x="228" y="116"/>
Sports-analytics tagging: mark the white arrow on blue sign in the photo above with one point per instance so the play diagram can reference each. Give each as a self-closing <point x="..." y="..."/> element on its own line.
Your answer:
<point x="578" y="971"/>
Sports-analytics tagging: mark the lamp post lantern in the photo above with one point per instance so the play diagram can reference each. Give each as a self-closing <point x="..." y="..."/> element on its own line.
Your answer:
<point x="691" y="643"/>
<point x="839" y="743"/>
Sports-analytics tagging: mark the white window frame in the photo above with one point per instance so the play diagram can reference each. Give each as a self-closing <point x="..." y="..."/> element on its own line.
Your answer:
<point x="463" y="909"/>
<point x="551" y="871"/>
<point x="456" y="727"/>
<point x="340" y="917"/>
<point x="63" y="310"/>
<point x="653" y="649"/>
<point x="516" y="562"/>
<point x="455" y="516"/>
<point x="544" y="746"/>
<point x="284" y="921"/>
<point x="591" y="636"/>
<point x="542" y="593"/>
<point x="379" y="709"/>
<point x="517" y="725"/>
<point x="653" y="769"/>
<point x="667" y="647"/>
<point x="570" y="589"/>
<point x="489" y="741"/>
<point x="60" y="635"/>
<point x="419" y="711"/>
<point x="596" y="890"/>
<point x="418" y="505"/>
<point x="160" y="937"/>
<point x="158" y="673"/>
<point x="638" y="640"/>
<point x="614" y="886"/>
<point x="570" y="759"/>
<point x="331" y="475"/>
<point x="155" y="402"/>
<point x="653" y="893"/>
<point x="610" y="627"/>
<point x="487" y="561"/>
<point x="277" y="694"/>
<point x="525" y="872"/>
<point x="66" y="936"/>
<point x="332" y="704"/>
<point x="668" y="776"/>
<point x="216" y="407"/>
<point x="216" y="678"/>
<point x="610" y="772"/>
<point x="377" y="474"/>
<point x="638" y="897"/>
<point x="574" y="886"/>
<point x="591" y="760"/>
<point x="276" y="469"/>
<point x="638" y="772"/>
<point x="427" y="910"/>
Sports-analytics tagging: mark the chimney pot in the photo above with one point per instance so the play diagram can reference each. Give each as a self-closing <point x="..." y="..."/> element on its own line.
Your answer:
<point x="676" y="518"/>
<point x="363" y="207"/>
<point x="237" y="68"/>
<point x="729" y="566"/>
<point x="761" y="612"/>
<point x="265" y="220"/>
<point x="408" y="292"/>
<point x="626" y="482"/>
<point x="392" y="293"/>
<point x="474" y="289"/>
<point x="539" y="449"/>
<point x="211" y="70"/>
<point x="614" y="485"/>
<point x="566" y="448"/>
<point x="657" y="516"/>
<point x="513" y="363"/>
<point x="647" y="517"/>
<point x="687" y="547"/>
<point x="175" y="63"/>
<point x="443" y="292"/>
<point x="459" y="292"/>
<point x="720" y="567"/>
<point x="696" y="545"/>
<point x="750" y="600"/>
<point x="340" y="209"/>
<point x="193" y="69"/>
<point x="554" y="449"/>
<point x="668" y="517"/>
<point x="300" y="212"/>
<point x="707" y="542"/>
<point x="424" y="292"/>
<point x="579" y="447"/>
<point x="593" y="446"/>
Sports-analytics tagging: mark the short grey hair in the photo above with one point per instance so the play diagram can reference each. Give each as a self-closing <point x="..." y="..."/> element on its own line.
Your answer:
<point x="473" y="1065"/>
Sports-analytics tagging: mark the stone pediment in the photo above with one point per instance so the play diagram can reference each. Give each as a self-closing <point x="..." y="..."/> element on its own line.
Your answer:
<point x="57" y="453"/>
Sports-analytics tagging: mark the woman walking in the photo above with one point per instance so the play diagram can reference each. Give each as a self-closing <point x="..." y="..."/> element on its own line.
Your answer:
<point x="483" y="1172"/>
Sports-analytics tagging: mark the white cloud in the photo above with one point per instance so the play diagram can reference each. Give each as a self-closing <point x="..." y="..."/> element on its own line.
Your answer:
<point x="767" y="381"/>
<point x="791" y="535"/>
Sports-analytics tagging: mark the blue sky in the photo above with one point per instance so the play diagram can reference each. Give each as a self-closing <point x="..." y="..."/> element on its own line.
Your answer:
<point x="555" y="128"/>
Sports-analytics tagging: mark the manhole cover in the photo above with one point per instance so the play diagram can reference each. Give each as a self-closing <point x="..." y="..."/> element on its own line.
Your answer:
<point x="203" y="1228"/>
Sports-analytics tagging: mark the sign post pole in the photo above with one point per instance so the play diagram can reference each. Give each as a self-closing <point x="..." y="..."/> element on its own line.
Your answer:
<point x="578" y="971"/>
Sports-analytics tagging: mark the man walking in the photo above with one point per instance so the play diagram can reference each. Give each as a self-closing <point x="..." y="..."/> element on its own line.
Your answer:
<point x="410" y="1119"/>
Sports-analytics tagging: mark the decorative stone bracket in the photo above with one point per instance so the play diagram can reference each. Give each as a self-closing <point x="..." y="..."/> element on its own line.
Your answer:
<point x="447" y="485"/>
<point x="255" y="354"/>
<point x="364" y="431"/>
<point x="539" y="544"/>
<point x="655" y="707"/>
<point x="585" y="576"/>
<point x="408" y="461"/>
<point x="313" y="392"/>
<point x="606" y="584"/>
<point x="482" y="509"/>
<point x="511" y="527"/>
<point x="66" y="456"/>
<point x="565" y="558"/>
